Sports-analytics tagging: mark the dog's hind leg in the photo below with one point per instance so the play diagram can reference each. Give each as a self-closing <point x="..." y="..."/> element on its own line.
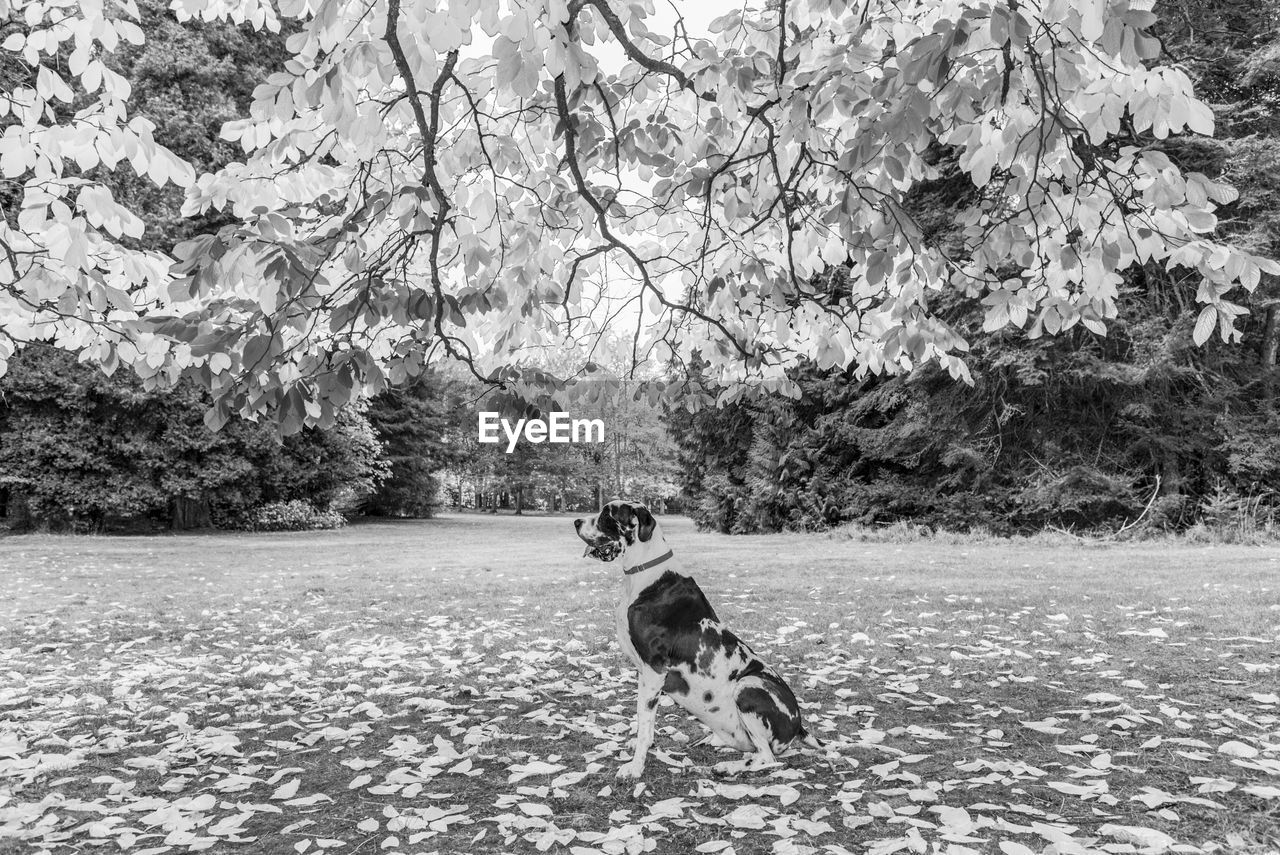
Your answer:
<point x="648" y="694"/>
<point x="761" y="740"/>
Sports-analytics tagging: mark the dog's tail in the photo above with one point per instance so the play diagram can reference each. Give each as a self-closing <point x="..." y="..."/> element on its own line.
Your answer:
<point x="810" y="740"/>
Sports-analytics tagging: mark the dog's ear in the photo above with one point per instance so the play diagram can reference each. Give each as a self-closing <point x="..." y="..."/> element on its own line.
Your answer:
<point x="647" y="523"/>
<point x="615" y="520"/>
<point x="631" y="518"/>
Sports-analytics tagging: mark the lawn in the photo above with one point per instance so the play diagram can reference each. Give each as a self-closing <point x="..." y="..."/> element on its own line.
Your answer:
<point x="453" y="686"/>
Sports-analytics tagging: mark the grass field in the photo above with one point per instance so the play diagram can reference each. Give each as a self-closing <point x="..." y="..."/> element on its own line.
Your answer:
<point x="453" y="686"/>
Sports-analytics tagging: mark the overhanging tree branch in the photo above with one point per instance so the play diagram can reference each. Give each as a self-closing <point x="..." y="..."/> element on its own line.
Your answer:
<point x="568" y="120"/>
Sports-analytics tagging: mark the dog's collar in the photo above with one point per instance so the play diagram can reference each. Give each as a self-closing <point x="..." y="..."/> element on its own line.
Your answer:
<point x="645" y="566"/>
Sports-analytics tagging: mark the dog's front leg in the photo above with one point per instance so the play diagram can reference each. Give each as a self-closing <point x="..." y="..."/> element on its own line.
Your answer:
<point x="647" y="696"/>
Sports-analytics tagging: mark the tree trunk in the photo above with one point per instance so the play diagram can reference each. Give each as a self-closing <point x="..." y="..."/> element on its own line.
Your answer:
<point x="617" y="463"/>
<point x="519" y="501"/>
<point x="189" y="513"/>
<point x="19" y="511"/>
<point x="1270" y="347"/>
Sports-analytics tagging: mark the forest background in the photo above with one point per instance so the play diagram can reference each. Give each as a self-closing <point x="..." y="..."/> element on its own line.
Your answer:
<point x="1137" y="431"/>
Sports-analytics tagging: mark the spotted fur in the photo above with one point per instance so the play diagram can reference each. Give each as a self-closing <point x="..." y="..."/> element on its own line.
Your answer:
<point x="707" y="669"/>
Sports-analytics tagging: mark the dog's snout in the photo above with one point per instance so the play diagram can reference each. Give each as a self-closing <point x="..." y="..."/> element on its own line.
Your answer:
<point x="577" y="524"/>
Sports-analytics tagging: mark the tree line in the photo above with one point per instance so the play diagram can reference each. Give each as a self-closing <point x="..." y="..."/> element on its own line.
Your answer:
<point x="1081" y="431"/>
<point x="1168" y="419"/>
<point x="81" y="450"/>
<point x="636" y="459"/>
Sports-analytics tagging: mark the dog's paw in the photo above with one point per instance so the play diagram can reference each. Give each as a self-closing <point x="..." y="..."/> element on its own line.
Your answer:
<point x="738" y="767"/>
<point x="630" y="771"/>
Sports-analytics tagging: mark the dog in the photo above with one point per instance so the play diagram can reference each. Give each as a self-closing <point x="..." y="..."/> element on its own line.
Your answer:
<point x="671" y="634"/>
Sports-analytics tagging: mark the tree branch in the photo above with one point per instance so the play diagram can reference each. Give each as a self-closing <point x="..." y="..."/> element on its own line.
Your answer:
<point x="429" y="129"/>
<point x="567" y="120"/>
<point x="657" y="66"/>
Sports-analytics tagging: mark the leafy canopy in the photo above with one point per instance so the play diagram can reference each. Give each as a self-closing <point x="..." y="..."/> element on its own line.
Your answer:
<point x="453" y="180"/>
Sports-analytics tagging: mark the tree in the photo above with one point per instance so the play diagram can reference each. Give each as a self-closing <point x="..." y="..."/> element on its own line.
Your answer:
<point x="159" y="463"/>
<point x="409" y="195"/>
<point x="81" y="450"/>
<point x="498" y="478"/>
<point x="1076" y="430"/>
<point x="637" y="460"/>
<point x="411" y="423"/>
<point x="189" y="80"/>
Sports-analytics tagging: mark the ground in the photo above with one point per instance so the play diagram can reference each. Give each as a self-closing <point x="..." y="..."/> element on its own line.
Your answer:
<point x="453" y="686"/>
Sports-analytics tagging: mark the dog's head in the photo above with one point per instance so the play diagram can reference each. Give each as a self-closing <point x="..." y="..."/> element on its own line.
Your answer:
<point x="619" y="526"/>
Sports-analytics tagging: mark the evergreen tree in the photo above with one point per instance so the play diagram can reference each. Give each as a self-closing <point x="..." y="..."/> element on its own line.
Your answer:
<point x="83" y="451"/>
<point x="411" y="422"/>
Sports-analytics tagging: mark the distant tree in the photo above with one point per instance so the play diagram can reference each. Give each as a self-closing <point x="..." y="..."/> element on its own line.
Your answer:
<point x="637" y="460"/>
<point x="411" y="422"/>
<point x="520" y="472"/>
<point x="713" y="445"/>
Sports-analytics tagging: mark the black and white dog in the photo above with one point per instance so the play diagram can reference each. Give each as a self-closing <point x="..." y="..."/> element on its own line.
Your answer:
<point x="669" y="631"/>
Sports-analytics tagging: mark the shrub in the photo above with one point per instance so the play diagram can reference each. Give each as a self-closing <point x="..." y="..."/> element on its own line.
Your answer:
<point x="1081" y="496"/>
<point x="1228" y="517"/>
<point x="81" y="451"/>
<point x="294" y="515"/>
